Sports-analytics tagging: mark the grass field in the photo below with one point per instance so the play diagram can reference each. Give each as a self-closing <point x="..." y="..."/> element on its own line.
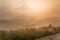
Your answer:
<point x="28" y="33"/>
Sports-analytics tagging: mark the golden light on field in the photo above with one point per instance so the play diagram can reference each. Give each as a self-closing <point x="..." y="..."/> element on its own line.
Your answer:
<point x="36" y="11"/>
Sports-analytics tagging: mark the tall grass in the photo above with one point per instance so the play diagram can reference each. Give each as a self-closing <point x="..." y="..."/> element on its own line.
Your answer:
<point x="28" y="33"/>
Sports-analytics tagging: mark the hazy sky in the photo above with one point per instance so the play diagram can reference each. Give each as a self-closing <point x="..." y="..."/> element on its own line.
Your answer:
<point x="8" y="7"/>
<point x="40" y="11"/>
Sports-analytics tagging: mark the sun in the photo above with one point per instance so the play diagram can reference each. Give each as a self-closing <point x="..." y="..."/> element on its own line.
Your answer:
<point x="36" y="5"/>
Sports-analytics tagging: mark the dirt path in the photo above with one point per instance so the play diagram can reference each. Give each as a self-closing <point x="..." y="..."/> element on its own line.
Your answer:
<point x="52" y="37"/>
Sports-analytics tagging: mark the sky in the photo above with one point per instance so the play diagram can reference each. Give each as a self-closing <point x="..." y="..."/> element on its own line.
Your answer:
<point x="37" y="11"/>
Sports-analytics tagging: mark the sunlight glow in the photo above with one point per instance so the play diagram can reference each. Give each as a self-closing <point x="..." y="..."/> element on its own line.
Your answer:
<point x="36" y="8"/>
<point x="35" y="5"/>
